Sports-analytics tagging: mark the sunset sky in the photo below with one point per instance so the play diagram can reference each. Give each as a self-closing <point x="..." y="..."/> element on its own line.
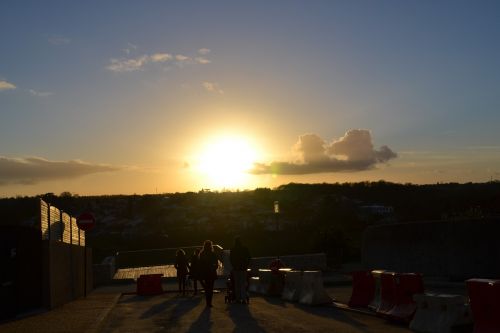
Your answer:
<point x="122" y="97"/>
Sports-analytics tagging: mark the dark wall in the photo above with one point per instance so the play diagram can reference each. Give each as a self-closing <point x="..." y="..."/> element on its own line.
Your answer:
<point x="21" y="269"/>
<point x="457" y="249"/>
<point x="64" y="278"/>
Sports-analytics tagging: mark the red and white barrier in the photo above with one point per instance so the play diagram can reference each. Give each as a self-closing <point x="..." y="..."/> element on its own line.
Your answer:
<point x="375" y="303"/>
<point x="293" y="286"/>
<point x="363" y="289"/>
<point x="397" y="290"/>
<point x="313" y="292"/>
<point x="149" y="284"/>
<point x="441" y="313"/>
<point x="407" y="285"/>
<point x="484" y="297"/>
<point x="387" y="293"/>
<point x="254" y="285"/>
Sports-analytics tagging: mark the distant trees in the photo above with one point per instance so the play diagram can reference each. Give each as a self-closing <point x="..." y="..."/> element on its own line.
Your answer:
<point x="313" y="217"/>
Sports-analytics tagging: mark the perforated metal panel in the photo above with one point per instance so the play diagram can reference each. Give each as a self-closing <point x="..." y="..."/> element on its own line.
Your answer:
<point x="66" y="220"/>
<point x="55" y="224"/>
<point x="75" y="237"/>
<point x="44" y="219"/>
<point x="82" y="238"/>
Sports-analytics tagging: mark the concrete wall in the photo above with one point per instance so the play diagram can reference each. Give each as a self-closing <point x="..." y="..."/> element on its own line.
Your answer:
<point x="458" y="249"/>
<point x="314" y="261"/>
<point x="63" y="276"/>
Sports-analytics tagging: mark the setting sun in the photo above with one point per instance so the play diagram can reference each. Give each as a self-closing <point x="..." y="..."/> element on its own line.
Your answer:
<point x="225" y="161"/>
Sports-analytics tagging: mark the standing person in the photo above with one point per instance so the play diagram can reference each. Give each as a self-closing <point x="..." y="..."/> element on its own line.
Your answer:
<point x="240" y="259"/>
<point x="194" y="269"/>
<point x="208" y="270"/>
<point x="181" y="265"/>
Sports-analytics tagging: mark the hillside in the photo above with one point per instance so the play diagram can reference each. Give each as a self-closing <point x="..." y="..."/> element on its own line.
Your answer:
<point x="313" y="217"/>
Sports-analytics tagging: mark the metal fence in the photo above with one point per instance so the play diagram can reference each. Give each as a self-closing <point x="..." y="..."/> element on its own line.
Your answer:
<point x="59" y="226"/>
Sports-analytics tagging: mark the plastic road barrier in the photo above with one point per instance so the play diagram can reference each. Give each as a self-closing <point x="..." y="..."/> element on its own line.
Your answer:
<point x="313" y="292"/>
<point x="407" y="285"/>
<point x="377" y="295"/>
<point x="265" y="280"/>
<point x="293" y="286"/>
<point x="363" y="289"/>
<point x="484" y="298"/>
<point x="387" y="293"/>
<point x="149" y="284"/>
<point x="254" y="285"/>
<point x="441" y="313"/>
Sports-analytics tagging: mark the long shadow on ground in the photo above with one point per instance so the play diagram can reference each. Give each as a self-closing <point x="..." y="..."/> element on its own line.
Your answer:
<point x="203" y="323"/>
<point x="243" y="319"/>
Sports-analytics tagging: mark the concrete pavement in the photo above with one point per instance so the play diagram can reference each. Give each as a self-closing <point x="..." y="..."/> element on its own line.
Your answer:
<point x="83" y="315"/>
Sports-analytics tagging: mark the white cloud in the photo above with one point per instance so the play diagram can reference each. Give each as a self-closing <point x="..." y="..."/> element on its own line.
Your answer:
<point x="40" y="93"/>
<point x="138" y="63"/>
<point x="4" y="85"/>
<point x="352" y="152"/>
<point x="129" y="48"/>
<point x="32" y="170"/>
<point x="127" y="65"/>
<point x="201" y="60"/>
<point x="204" y="51"/>
<point x="212" y="87"/>
<point x="161" y="57"/>
<point x="59" y="40"/>
<point x="180" y="57"/>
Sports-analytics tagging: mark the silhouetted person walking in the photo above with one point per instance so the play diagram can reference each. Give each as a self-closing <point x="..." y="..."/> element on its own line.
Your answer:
<point x="194" y="269"/>
<point x="208" y="270"/>
<point x="181" y="265"/>
<point x="240" y="259"/>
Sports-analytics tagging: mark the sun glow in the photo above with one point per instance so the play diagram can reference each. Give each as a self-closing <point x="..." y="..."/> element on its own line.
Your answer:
<point x="225" y="162"/>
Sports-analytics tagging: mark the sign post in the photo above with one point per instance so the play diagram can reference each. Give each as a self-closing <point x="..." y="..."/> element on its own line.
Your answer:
<point x="85" y="222"/>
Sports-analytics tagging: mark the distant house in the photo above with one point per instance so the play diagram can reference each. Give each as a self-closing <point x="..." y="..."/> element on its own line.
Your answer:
<point x="376" y="213"/>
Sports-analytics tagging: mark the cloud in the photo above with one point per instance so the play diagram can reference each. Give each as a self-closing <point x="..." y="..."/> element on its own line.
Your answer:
<point x="32" y="170"/>
<point x="212" y="87"/>
<point x="181" y="57"/>
<point x="201" y="60"/>
<point x="161" y="57"/>
<point x="4" y="85"/>
<point x="125" y="64"/>
<point x="352" y="152"/>
<point x="59" y="40"/>
<point x="40" y="93"/>
<point x="204" y="51"/>
<point x="129" y="48"/>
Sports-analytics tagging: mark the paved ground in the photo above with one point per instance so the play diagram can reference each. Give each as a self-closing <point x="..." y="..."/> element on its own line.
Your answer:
<point x="82" y="315"/>
<point x="105" y="311"/>
<point x="174" y="313"/>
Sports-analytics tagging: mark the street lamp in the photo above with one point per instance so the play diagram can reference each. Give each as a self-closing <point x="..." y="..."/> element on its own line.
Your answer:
<point x="276" y="214"/>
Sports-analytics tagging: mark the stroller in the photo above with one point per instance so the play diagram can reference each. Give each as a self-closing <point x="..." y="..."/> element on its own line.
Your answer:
<point x="230" y="291"/>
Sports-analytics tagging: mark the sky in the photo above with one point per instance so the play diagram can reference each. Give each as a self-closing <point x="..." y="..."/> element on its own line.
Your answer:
<point x="123" y="97"/>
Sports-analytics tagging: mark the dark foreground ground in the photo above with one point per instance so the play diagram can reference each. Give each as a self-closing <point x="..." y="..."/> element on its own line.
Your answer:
<point x="106" y="311"/>
<point x="174" y="313"/>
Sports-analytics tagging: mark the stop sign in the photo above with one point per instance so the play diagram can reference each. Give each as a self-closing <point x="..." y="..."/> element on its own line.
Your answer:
<point x="85" y="221"/>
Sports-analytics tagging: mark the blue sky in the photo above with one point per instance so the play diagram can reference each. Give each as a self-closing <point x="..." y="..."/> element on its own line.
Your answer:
<point x="423" y="77"/>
